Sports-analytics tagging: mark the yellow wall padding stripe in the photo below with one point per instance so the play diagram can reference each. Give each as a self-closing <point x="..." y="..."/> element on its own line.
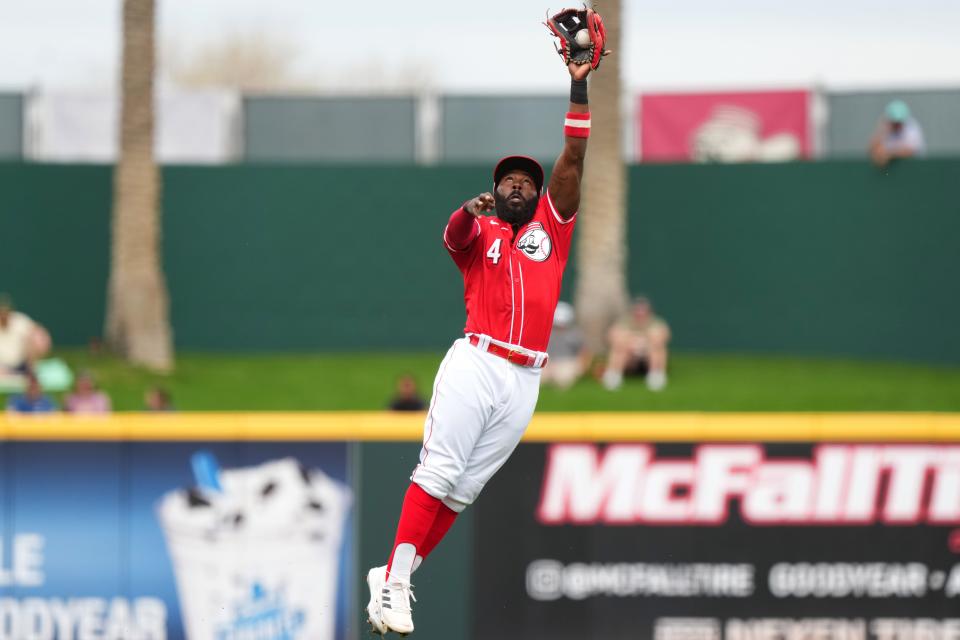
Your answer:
<point x="546" y="427"/>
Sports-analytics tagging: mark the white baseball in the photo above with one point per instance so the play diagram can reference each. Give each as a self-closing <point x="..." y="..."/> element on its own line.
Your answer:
<point x="582" y="37"/>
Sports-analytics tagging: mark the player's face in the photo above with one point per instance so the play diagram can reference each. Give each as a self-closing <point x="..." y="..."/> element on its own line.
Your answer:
<point x="516" y="198"/>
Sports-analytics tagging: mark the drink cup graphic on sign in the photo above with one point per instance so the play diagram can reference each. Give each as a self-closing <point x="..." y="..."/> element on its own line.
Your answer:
<point x="255" y="550"/>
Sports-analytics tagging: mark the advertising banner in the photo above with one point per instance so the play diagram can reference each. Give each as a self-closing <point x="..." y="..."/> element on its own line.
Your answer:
<point x="725" y="541"/>
<point x="175" y="540"/>
<point x="762" y="126"/>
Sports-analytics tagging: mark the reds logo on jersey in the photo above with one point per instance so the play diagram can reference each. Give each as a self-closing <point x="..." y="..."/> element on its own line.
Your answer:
<point x="535" y="243"/>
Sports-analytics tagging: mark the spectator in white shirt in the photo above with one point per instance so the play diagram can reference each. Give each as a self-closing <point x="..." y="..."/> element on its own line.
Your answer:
<point x="22" y="341"/>
<point x="898" y="135"/>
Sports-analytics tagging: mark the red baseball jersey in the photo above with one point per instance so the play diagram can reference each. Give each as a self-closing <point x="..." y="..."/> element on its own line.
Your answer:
<point x="512" y="282"/>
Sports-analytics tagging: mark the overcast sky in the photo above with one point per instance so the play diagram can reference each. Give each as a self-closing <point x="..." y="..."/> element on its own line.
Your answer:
<point x="498" y="45"/>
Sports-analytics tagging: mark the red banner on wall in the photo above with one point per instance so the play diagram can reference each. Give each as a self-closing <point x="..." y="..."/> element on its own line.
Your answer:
<point x="763" y="126"/>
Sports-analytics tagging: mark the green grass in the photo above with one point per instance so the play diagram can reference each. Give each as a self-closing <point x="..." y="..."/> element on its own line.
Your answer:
<point x="697" y="383"/>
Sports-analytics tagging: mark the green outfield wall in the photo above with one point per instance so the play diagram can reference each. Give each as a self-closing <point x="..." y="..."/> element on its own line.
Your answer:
<point x="820" y="258"/>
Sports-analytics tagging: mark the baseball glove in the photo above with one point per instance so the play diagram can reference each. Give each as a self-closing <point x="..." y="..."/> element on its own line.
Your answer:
<point x="581" y="36"/>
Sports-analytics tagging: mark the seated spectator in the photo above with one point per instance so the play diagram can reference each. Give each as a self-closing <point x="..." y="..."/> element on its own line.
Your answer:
<point x="407" y="397"/>
<point x="86" y="398"/>
<point x="32" y="400"/>
<point x="898" y="135"/>
<point x="638" y="346"/>
<point x="569" y="357"/>
<point x="158" y="400"/>
<point x="22" y="341"/>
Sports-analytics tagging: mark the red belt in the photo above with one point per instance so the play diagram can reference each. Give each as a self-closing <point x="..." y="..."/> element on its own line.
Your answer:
<point x="510" y="355"/>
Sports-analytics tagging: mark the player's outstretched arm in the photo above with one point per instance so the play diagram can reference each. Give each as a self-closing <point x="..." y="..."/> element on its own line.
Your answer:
<point x="564" y="186"/>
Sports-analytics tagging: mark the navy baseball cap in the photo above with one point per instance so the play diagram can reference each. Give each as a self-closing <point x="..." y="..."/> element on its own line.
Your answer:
<point x="523" y="163"/>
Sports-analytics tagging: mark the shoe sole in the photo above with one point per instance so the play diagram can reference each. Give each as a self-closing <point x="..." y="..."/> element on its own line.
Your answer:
<point x="402" y="634"/>
<point x="375" y="631"/>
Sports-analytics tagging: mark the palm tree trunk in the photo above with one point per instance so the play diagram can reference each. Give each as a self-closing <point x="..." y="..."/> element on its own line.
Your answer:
<point x="601" y="292"/>
<point x="137" y="324"/>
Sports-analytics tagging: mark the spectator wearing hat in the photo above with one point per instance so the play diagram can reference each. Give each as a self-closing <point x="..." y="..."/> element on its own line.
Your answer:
<point x="32" y="400"/>
<point x="638" y="346"/>
<point x="22" y="341"/>
<point x="569" y="357"/>
<point x="898" y="135"/>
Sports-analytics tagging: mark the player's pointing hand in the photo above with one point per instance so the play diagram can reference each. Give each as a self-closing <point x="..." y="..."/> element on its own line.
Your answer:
<point x="483" y="203"/>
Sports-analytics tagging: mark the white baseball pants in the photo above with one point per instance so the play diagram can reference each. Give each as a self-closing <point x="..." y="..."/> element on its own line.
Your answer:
<point x="480" y="408"/>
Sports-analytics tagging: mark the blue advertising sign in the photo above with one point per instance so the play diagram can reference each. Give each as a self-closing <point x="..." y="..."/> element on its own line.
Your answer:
<point x="175" y="541"/>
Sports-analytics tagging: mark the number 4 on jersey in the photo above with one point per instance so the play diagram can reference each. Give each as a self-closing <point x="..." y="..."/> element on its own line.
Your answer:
<point x="494" y="252"/>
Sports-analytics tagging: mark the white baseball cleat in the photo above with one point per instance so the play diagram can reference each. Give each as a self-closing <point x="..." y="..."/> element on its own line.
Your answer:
<point x="395" y="607"/>
<point x="375" y="579"/>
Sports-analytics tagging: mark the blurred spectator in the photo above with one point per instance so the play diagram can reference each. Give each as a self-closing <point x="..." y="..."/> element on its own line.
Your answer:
<point x="95" y="346"/>
<point x="569" y="357"/>
<point x="407" y="396"/>
<point x="32" y="400"/>
<point x="158" y="399"/>
<point x="86" y="398"/>
<point x="638" y="346"/>
<point x="898" y="135"/>
<point x="22" y="341"/>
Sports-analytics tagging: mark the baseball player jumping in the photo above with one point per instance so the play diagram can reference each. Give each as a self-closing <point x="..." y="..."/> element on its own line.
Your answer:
<point x="487" y="385"/>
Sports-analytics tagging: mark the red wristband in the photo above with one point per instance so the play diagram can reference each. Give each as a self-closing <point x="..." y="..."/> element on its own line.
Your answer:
<point x="577" y="125"/>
